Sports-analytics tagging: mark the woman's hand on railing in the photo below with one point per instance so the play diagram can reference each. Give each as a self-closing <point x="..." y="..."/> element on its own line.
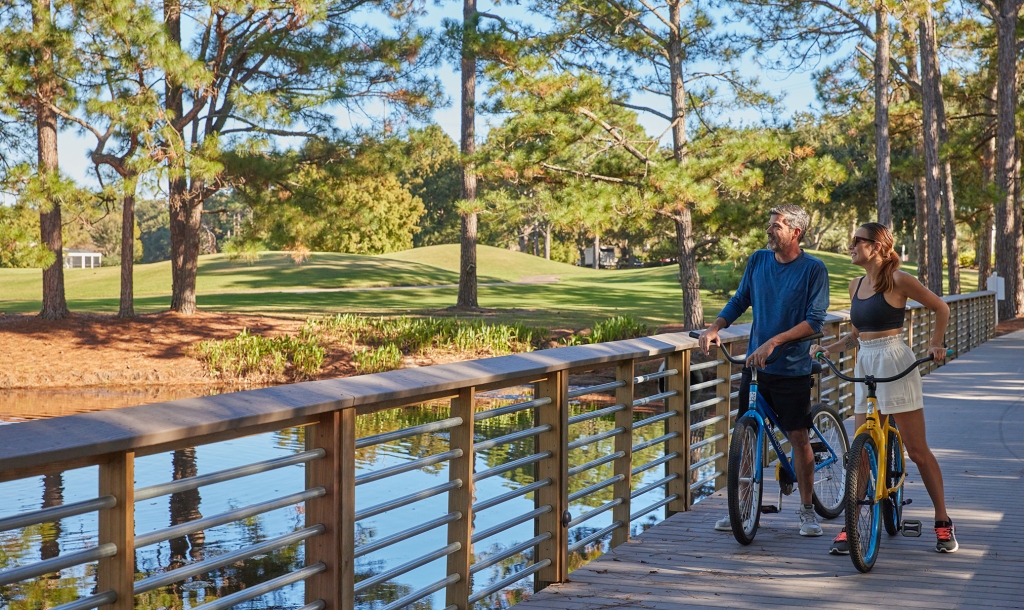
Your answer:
<point x="817" y="350"/>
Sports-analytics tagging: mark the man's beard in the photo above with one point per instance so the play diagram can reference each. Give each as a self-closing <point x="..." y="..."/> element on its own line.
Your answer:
<point x="774" y="244"/>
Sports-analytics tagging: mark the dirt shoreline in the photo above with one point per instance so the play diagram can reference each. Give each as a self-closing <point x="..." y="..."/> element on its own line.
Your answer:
<point x="94" y="351"/>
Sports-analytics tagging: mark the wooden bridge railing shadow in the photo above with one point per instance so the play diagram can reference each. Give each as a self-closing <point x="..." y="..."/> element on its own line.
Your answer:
<point x="692" y="428"/>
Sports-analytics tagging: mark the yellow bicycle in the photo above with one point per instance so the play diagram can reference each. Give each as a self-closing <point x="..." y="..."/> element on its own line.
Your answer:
<point x="870" y="505"/>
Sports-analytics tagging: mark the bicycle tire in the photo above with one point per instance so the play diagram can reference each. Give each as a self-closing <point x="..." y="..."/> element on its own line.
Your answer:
<point x="892" y="507"/>
<point x="863" y="514"/>
<point x="744" y="485"/>
<point x="829" y="497"/>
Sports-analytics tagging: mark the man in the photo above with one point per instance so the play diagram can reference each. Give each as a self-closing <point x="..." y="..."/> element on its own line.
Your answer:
<point x="788" y="290"/>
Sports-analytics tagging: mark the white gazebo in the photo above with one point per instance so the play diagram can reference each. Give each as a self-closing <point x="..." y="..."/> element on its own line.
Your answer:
<point x="81" y="259"/>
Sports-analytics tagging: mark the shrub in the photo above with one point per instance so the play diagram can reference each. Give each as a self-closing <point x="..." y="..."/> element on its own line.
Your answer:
<point x="617" y="329"/>
<point x="377" y="360"/>
<point x="243" y="356"/>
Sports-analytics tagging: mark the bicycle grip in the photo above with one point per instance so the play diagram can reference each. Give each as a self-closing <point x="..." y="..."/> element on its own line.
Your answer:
<point x="695" y="334"/>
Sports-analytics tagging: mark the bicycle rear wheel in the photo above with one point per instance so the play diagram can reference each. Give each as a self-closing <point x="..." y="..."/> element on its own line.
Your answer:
<point x="892" y="507"/>
<point x="863" y="514"/>
<point x="829" y="481"/>
<point x="744" y="484"/>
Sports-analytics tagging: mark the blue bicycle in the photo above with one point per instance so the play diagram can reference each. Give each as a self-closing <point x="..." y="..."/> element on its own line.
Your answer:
<point x="747" y="453"/>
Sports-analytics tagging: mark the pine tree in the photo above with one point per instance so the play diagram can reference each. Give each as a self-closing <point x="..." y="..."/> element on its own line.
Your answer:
<point x="273" y="70"/>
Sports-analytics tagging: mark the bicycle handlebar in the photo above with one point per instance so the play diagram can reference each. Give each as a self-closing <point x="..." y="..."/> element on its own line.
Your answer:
<point x="775" y="355"/>
<point x="919" y="362"/>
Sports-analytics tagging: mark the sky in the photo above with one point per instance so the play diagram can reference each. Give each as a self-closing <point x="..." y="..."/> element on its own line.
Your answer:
<point x="795" y="89"/>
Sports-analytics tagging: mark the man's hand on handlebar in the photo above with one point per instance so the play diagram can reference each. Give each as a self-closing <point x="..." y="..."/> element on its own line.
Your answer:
<point x="759" y="359"/>
<point x="708" y="337"/>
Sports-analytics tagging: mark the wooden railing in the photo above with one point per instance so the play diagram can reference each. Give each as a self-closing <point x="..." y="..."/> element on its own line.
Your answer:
<point x="696" y="393"/>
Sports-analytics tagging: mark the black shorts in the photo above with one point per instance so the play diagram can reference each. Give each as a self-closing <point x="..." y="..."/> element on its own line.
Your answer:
<point x="788" y="397"/>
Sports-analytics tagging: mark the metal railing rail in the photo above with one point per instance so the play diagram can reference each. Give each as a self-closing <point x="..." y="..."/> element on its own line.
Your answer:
<point x="689" y="438"/>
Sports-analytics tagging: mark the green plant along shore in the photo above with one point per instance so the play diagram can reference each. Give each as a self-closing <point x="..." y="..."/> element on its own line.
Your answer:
<point x="379" y="344"/>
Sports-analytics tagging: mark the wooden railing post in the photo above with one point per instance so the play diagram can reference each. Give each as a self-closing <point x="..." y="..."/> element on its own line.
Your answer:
<point x="724" y="426"/>
<point x="624" y="372"/>
<point x="556" y="467"/>
<point x="117" y="525"/>
<point x="680" y="403"/>
<point x="461" y="500"/>
<point x="335" y="472"/>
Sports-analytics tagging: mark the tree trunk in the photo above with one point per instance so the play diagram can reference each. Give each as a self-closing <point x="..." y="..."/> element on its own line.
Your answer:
<point x="186" y="216"/>
<point x="597" y="251"/>
<point x="127" y="305"/>
<point x="1008" y="233"/>
<point x="547" y="241"/>
<point x="932" y="172"/>
<point x="467" y="243"/>
<point x="948" y="200"/>
<point x="983" y="249"/>
<point x="920" y="209"/>
<point x="55" y="306"/>
<point x="689" y="278"/>
<point x="921" y="215"/>
<point x="185" y="213"/>
<point x="884" y="193"/>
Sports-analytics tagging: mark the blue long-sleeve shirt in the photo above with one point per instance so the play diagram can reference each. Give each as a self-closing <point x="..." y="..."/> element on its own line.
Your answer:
<point x="783" y="295"/>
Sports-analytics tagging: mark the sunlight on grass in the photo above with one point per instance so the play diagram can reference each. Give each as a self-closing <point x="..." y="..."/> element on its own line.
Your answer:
<point x="275" y="285"/>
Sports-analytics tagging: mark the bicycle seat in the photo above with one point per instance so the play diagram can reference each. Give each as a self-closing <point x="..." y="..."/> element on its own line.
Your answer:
<point x="815" y="368"/>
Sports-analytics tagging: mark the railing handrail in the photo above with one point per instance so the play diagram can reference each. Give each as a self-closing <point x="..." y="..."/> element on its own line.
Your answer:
<point x="88" y="437"/>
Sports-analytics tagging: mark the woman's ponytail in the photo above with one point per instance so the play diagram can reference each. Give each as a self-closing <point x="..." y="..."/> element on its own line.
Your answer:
<point x="890" y="262"/>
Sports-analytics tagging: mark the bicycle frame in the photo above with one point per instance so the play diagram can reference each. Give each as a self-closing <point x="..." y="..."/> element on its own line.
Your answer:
<point x="764" y="415"/>
<point x="879" y="429"/>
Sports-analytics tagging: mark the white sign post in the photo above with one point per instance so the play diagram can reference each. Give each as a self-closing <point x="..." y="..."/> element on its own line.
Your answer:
<point x="997" y="285"/>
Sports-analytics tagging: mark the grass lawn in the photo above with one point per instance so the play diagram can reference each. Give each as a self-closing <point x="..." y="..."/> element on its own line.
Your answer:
<point x="580" y="297"/>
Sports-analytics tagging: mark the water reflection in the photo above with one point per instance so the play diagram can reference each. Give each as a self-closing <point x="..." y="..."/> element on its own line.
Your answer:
<point x="22" y="546"/>
<point x="43" y="403"/>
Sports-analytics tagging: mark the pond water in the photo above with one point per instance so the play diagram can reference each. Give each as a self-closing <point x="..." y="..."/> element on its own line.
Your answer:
<point x="27" y="545"/>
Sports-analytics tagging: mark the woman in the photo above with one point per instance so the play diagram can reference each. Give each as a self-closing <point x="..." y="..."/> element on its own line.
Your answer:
<point x="878" y="300"/>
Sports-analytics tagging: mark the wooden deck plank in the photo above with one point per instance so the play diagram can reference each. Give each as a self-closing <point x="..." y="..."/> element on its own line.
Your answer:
<point x="975" y="417"/>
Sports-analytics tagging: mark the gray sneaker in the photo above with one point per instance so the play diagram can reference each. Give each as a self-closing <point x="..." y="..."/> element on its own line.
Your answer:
<point x="723" y="524"/>
<point x="808" y="521"/>
<point x="945" y="534"/>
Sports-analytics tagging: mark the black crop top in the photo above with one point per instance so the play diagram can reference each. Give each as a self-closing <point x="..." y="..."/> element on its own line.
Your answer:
<point x="874" y="314"/>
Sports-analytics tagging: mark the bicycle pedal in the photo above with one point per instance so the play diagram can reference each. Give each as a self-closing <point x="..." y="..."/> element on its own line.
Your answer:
<point x="907" y="501"/>
<point x="911" y="528"/>
<point x="818" y="447"/>
<point x="769" y="509"/>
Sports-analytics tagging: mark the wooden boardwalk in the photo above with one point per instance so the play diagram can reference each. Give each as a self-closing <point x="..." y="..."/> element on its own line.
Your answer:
<point x="975" y="415"/>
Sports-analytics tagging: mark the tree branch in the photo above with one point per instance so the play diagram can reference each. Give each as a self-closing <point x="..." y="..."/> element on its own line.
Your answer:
<point x="612" y="131"/>
<point x="643" y="109"/>
<point x="597" y="177"/>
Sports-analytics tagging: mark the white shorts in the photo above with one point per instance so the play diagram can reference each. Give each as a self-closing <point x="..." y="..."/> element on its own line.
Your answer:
<point x="886" y="357"/>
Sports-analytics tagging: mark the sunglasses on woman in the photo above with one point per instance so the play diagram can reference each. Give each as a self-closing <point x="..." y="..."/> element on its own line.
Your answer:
<point x="857" y="239"/>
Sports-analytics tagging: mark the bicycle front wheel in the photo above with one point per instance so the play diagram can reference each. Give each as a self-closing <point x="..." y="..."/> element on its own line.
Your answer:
<point x="863" y="514"/>
<point x="744" y="481"/>
<point x="892" y="507"/>
<point x="829" y="481"/>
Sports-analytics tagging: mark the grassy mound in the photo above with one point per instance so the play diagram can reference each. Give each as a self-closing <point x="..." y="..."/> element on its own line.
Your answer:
<point x="494" y="264"/>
